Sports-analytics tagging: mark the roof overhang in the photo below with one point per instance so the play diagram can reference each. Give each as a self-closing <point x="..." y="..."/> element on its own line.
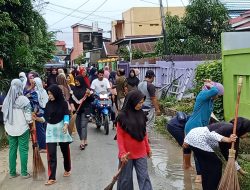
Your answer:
<point x="127" y="40"/>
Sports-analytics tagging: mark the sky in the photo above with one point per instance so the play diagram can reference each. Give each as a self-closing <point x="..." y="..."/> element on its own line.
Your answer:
<point x="60" y="15"/>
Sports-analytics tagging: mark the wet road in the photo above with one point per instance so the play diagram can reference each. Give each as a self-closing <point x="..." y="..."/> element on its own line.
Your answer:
<point x="93" y="168"/>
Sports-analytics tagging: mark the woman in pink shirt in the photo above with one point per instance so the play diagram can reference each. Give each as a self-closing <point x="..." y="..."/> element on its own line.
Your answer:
<point x="132" y="137"/>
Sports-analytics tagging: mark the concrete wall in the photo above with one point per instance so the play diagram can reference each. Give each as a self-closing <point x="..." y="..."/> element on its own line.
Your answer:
<point x="235" y="63"/>
<point x="146" y="20"/>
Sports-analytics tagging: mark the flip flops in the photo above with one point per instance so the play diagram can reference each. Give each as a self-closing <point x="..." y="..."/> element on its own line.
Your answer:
<point x="66" y="174"/>
<point x="50" y="182"/>
<point x="82" y="146"/>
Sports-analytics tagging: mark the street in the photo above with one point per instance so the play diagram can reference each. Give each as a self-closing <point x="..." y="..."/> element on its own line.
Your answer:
<point x="93" y="168"/>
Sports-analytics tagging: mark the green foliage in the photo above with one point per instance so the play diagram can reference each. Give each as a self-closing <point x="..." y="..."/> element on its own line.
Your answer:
<point x="213" y="71"/>
<point x="80" y="59"/>
<point x="25" y="43"/>
<point x="160" y="124"/>
<point x="185" y="105"/>
<point x="245" y="180"/>
<point x="124" y="53"/>
<point x="198" y="31"/>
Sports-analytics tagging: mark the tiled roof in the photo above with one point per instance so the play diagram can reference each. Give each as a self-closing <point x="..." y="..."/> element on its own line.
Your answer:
<point x="145" y="47"/>
<point x="110" y="50"/>
<point x="241" y="22"/>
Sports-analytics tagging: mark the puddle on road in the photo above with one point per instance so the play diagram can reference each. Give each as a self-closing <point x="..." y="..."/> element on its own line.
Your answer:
<point x="167" y="163"/>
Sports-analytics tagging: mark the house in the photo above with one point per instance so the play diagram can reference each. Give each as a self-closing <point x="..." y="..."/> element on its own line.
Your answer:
<point x="60" y="47"/>
<point x="85" y="38"/>
<point x="236" y="7"/>
<point x="139" y="21"/>
<point x="242" y="22"/>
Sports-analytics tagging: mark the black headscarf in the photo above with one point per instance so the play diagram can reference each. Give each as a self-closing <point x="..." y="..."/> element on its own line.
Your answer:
<point x="133" y="81"/>
<point x="131" y="120"/>
<point x="55" y="110"/>
<point x="79" y="91"/>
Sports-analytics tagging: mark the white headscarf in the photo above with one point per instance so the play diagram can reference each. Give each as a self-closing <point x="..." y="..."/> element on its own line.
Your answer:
<point x="23" y="78"/>
<point x="41" y="92"/>
<point x="16" y="90"/>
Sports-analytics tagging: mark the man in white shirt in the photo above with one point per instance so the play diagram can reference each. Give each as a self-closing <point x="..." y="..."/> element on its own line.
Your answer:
<point x="100" y="84"/>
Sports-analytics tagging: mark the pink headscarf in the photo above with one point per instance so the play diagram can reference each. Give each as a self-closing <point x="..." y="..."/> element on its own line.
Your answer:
<point x="219" y="86"/>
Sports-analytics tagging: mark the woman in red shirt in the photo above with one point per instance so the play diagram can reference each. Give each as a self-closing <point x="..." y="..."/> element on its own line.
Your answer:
<point x="132" y="137"/>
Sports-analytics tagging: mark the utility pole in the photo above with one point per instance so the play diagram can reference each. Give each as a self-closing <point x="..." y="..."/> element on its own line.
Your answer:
<point x="163" y="24"/>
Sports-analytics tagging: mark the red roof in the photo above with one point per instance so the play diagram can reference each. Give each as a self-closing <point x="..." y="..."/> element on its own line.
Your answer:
<point x="145" y="47"/>
<point x="110" y="50"/>
<point x="60" y="43"/>
<point x="241" y="22"/>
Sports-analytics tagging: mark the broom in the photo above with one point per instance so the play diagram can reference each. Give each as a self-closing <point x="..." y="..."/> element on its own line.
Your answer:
<point x="38" y="167"/>
<point x="115" y="178"/>
<point x="73" y="118"/>
<point x="230" y="180"/>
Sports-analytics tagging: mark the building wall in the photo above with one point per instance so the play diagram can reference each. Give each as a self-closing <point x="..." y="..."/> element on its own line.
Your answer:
<point x="77" y="45"/>
<point x="146" y="20"/>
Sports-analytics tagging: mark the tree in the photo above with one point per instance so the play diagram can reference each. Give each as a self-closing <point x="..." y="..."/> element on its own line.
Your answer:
<point x="25" y="42"/>
<point x="124" y="53"/>
<point x="199" y="31"/>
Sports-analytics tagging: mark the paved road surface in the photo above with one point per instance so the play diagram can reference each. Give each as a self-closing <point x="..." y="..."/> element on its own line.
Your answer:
<point x="92" y="168"/>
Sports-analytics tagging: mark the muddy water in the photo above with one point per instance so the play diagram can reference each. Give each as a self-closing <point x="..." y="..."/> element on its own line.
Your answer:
<point x="167" y="163"/>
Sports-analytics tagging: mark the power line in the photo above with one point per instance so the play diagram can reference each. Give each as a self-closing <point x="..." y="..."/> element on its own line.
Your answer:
<point x="70" y="13"/>
<point x="74" y="16"/>
<point x="182" y="3"/>
<point x="89" y="13"/>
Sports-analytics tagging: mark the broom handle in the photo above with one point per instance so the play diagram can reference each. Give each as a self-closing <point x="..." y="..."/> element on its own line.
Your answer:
<point x="240" y="81"/>
<point x="84" y="98"/>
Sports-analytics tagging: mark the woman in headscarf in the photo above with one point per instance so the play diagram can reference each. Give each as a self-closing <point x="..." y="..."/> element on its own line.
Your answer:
<point x="205" y="140"/>
<point x="93" y="74"/>
<point x="57" y="118"/>
<point x="70" y="80"/>
<point x="132" y="81"/>
<point x="41" y="126"/>
<point x="52" y="77"/>
<point x="62" y="83"/>
<point x="23" y="78"/>
<point x="106" y="72"/>
<point x="83" y="72"/>
<point x="203" y="108"/>
<point x="17" y="117"/>
<point x="30" y="92"/>
<point x="132" y="138"/>
<point x="61" y="72"/>
<point x="79" y="92"/>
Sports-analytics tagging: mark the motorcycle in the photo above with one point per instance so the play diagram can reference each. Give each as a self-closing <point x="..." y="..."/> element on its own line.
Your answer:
<point x="102" y="105"/>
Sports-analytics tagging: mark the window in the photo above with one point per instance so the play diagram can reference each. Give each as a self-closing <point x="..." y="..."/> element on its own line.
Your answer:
<point x="154" y="24"/>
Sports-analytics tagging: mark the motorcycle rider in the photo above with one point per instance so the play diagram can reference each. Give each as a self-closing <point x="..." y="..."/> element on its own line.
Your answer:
<point x="101" y="84"/>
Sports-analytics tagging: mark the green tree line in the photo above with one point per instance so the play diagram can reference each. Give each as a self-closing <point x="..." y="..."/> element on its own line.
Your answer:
<point x="25" y="43"/>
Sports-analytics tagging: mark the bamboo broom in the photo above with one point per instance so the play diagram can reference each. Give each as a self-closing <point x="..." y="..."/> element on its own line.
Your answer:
<point x="115" y="178"/>
<point x="38" y="167"/>
<point x="230" y="181"/>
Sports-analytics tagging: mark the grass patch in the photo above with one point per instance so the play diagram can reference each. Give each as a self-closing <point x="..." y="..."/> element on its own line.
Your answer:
<point x="3" y="137"/>
<point x="245" y="180"/>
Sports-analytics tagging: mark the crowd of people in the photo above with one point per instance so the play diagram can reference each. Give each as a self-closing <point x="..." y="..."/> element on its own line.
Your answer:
<point x="49" y="104"/>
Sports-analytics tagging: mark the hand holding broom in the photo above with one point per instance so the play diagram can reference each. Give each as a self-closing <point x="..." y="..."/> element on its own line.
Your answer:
<point x="115" y="178"/>
<point x="230" y="181"/>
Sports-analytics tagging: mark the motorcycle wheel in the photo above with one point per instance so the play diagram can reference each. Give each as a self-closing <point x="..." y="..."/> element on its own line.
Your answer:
<point x="98" y="122"/>
<point x="106" y="124"/>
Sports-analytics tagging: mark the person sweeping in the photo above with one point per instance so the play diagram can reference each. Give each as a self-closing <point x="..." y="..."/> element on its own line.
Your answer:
<point x="57" y="118"/>
<point x="17" y="117"/>
<point x="200" y="116"/>
<point x="132" y="138"/>
<point x="203" y="141"/>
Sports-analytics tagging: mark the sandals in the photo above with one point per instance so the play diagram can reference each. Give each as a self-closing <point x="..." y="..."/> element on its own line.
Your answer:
<point x="82" y="146"/>
<point x="66" y="174"/>
<point x="50" y="182"/>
